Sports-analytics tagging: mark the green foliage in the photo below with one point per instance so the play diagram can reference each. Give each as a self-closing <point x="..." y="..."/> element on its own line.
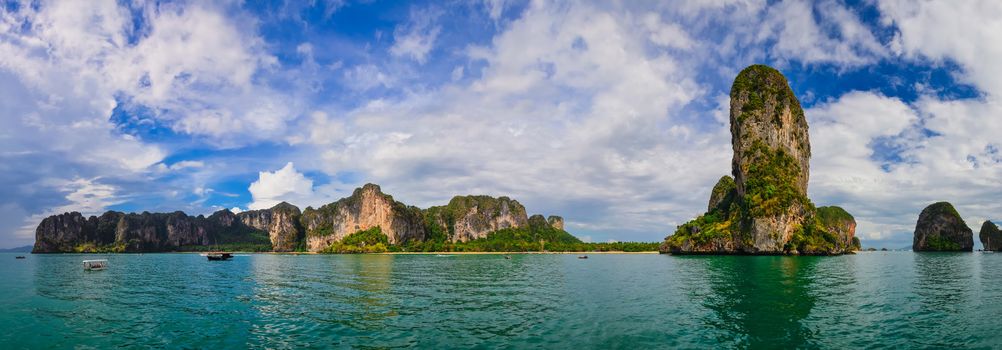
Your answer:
<point x="813" y="238"/>
<point x="939" y="243"/>
<point x="766" y="90"/>
<point x="90" y="247"/>
<point x="832" y="216"/>
<point x="366" y="241"/>
<point x="856" y="245"/>
<point x="771" y="181"/>
<point x="724" y="192"/>
<point x="942" y="208"/>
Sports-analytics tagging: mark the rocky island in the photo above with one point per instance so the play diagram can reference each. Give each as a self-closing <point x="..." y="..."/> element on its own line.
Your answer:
<point x="764" y="208"/>
<point x="367" y="221"/>
<point x="991" y="237"/>
<point x="941" y="229"/>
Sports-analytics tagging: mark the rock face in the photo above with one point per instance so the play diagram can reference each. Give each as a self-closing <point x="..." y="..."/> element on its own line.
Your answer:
<point x="764" y="208"/>
<point x="840" y="223"/>
<point x="723" y="193"/>
<point x="467" y="218"/>
<point x="940" y="228"/>
<point x="366" y="208"/>
<point x="555" y="222"/>
<point x="284" y="228"/>
<point x="771" y="156"/>
<point x="61" y="232"/>
<point x="145" y="232"/>
<point x="281" y="222"/>
<point x="990" y="236"/>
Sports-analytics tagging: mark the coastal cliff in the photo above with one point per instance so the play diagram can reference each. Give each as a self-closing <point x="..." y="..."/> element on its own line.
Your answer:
<point x="145" y="232"/>
<point x="467" y="218"/>
<point x="282" y="222"/>
<point x="366" y="208"/>
<point x="990" y="236"/>
<point x="764" y="208"/>
<point x="367" y="221"/>
<point x="940" y="228"/>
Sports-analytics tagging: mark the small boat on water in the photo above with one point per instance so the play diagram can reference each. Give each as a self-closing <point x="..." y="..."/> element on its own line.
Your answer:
<point x="507" y="257"/>
<point x="19" y="257"/>
<point x="582" y="257"/>
<point x="95" y="265"/>
<point x="219" y="256"/>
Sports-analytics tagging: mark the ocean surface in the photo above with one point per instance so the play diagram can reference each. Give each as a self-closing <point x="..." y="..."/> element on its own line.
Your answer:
<point x="867" y="300"/>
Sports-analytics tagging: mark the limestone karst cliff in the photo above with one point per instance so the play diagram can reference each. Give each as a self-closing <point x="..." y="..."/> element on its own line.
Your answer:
<point x="467" y="218"/>
<point x="366" y="208"/>
<point x="143" y="232"/>
<point x="991" y="237"/>
<point x="764" y="208"/>
<point x="284" y="227"/>
<point x="940" y="228"/>
<point x="282" y="222"/>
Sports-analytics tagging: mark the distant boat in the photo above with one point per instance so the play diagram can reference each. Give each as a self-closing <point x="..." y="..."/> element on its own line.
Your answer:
<point x="219" y="256"/>
<point x="19" y="257"/>
<point x="95" y="265"/>
<point x="582" y="257"/>
<point x="507" y="256"/>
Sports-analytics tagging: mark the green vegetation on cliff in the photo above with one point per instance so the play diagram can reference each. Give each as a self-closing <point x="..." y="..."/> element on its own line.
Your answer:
<point x="771" y="183"/>
<point x="831" y="216"/>
<point x="766" y="88"/>
<point x="939" y="243"/>
<point x="943" y="209"/>
<point x="534" y="238"/>
<point x="366" y="241"/>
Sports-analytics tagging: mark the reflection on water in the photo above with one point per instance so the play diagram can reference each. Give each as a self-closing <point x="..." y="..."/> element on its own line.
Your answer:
<point x="896" y="300"/>
<point x="760" y="300"/>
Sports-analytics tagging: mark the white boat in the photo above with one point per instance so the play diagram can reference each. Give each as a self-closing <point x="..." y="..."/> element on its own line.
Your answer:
<point x="95" y="265"/>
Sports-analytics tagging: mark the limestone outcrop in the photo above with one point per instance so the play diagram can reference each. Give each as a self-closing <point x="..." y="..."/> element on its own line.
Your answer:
<point x="285" y="228"/>
<point x="366" y="208"/>
<point x="467" y="218"/>
<point x="282" y="222"/>
<point x="940" y="228"/>
<point x="991" y="237"/>
<point x="144" y="232"/>
<point x="764" y="208"/>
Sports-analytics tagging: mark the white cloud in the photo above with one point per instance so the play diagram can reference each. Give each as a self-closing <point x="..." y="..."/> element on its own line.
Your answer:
<point x="417" y="38"/>
<point x="798" y="34"/>
<point x="366" y="77"/>
<point x="87" y="196"/>
<point x="286" y="184"/>
<point x="967" y="32"/>
<point x="573" y="113"/>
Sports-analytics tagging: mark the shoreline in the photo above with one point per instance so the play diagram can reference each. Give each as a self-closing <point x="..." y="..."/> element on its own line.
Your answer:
<point x="384" y="253"/>
<point x="509" y="253"/>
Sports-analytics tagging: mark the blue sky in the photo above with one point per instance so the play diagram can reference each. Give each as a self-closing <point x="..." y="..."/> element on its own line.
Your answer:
<point x="611" y="114"/>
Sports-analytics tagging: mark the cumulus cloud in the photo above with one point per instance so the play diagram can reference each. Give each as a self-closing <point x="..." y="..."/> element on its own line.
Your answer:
<point x="285" y="184"/>
<point x="613" y="115"/>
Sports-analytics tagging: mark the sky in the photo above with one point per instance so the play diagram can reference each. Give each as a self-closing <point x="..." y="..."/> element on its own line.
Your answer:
<point x="612" y="114"/>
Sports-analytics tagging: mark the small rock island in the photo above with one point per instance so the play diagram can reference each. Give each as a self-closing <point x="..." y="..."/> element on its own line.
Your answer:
<point x="764" y="208"/>
<point x="990" y="236"/>
<point x="941" y="229"/>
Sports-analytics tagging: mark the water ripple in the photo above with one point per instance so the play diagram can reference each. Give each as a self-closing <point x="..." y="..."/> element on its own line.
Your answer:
<point x="872" y="300"/>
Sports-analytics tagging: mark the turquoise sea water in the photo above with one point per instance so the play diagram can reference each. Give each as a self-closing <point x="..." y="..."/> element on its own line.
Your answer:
<point x="871" y="300"/>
